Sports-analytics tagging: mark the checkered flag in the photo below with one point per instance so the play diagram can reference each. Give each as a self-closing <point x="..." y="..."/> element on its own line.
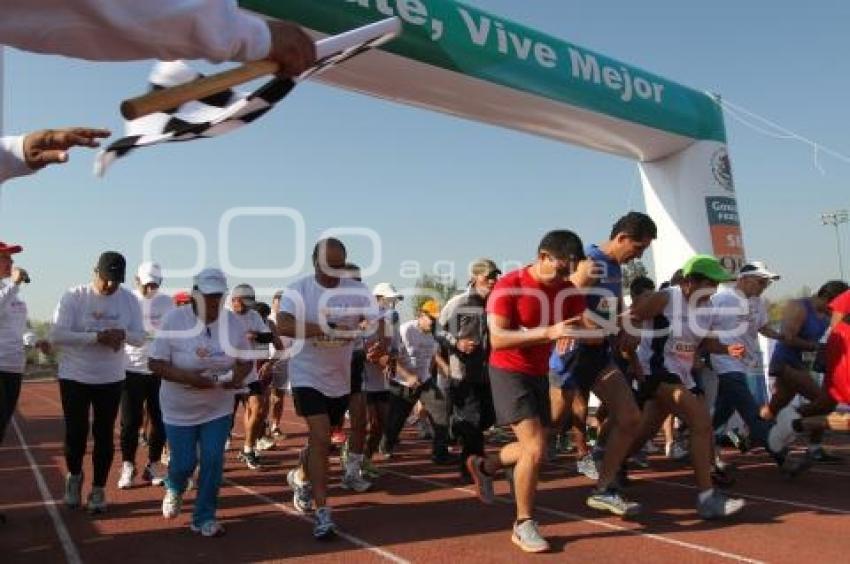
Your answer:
<point x="214" y="115"/>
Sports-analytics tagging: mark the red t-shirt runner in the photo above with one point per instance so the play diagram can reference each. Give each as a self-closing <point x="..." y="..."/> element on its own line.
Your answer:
<point x="527" y="303"/>
<point x="837" y="381"/>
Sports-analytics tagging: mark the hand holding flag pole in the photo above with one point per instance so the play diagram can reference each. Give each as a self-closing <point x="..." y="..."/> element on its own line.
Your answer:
<point x="175" y="96"/>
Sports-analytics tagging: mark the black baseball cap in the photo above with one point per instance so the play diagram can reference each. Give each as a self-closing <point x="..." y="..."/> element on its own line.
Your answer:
<point x="112" y="266"/>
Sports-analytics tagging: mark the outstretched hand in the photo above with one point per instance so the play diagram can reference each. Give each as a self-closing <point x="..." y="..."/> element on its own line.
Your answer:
<point x="50" y="146"/>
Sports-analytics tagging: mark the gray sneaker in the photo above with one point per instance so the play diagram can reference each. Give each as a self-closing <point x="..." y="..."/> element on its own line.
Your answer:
<point x="483" y="482"/>
<point x="719" y="506"/>
<point x="528" y="537"/>
<point x="73" y="490"/>
<point x="97" y="501"/>
<point x="587" y="467"/>
<point x="613" y="501"/>
<point x="302" y="497"/>
<point x="324" y="527"/>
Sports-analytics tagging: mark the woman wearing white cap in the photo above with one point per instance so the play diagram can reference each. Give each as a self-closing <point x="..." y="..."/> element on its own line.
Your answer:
<point x="197" y="354"/>
<point x="141" y="388"/>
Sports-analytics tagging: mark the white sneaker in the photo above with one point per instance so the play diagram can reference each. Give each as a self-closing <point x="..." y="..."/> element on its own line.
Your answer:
<point x="208" y="529"/>
<point x="128" y="472"/>
<point x="355" y="482"/>
<point x="155" y="473"/>
<point x="172" y="503"/>
<point x="782" y="434"/>
<point x="265" y="443"/>
<point x="97" y="501"/>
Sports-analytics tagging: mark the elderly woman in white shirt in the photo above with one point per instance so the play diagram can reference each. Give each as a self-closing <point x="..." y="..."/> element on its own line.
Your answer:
<point x="200" y="355"/>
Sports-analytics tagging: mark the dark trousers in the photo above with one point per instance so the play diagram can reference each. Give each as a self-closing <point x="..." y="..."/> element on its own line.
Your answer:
<point x="10" y="390"/>
<point x="402" y="400"/>
<point x="141" y="391"/>
<point x="471" y="415"/>
<point x="733" y="394"/>
<point x="78" y="401"/>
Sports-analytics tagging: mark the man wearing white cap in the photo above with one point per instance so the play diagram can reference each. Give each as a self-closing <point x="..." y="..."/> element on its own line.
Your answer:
<point x="740" y="316"/>
<point x="141" y="387"/>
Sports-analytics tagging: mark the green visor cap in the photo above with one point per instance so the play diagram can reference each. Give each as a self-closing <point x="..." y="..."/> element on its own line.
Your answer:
<point x="708" y="266"/>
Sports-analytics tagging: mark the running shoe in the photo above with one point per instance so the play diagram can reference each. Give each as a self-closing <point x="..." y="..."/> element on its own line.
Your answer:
<point x="128" y="472"/>
<point x="782" y="434"/>
<point x="819" y="455"/>
<point x="527" y="536"/>
<point x="611" y="500"/>
<point x="719" y="505"/>
<point x="172" y="503"/>
<point x="483" y="482"/>
<point x="73" y="490"/>
<point x="277" y="433"/>
<point x="739" y="441"/>
<point x="354" y="481"/>
<point x="369" y="470"/>
<point x="265" y="443"/>
<point x="155" y="473"/>
<point x="97" y="501"/>
<point x="210" y="529"/>
<point x="302" y="498"/>
<point x="586" y="466"/>
<point x="250" y="459"/>
<point x="324" y="527"/>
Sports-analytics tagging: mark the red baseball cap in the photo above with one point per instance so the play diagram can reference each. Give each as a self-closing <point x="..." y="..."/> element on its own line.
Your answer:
<point x="182" y="298"/>
<point x="10" y="249"/>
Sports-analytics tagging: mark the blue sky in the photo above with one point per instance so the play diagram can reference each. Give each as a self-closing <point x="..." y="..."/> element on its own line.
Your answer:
<point x="413" y="176"/>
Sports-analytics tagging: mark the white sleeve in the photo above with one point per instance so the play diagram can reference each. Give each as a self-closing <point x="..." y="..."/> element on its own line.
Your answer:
<point x="12" y="161"/>
<point x="160" y="347"/>
<point x="62" y="332"/>
<point x="123" y="30"/>
<point x="135" y="333"/>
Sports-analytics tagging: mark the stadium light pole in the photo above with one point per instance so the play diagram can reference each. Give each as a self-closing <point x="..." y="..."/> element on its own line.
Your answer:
<point x="835" y="219"/>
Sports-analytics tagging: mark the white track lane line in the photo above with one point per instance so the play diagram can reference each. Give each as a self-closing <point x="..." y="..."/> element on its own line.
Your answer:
<point x="72" y="555"/>
<point x="290" y="511"/>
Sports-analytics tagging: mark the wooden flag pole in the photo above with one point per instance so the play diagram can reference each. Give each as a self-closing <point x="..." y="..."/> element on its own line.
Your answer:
<point x="167" y="98"/>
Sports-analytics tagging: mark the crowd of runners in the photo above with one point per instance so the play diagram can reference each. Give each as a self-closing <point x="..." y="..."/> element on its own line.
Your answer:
<point x="517" y="355"/>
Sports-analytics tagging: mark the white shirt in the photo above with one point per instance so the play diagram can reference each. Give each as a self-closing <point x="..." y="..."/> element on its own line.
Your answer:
<point x="738" y="319"/>
<point x="123" y="30"/>
<point x="209" y="348"/>
<point x="13" y="325"/>
<point x="153" y="310"/>
<point x="324" y="363"/>
<point x="679" y="342"/>
<point x="417" y="351"/>
<point x="251" y="322"/>
<point x="80" y="315"/>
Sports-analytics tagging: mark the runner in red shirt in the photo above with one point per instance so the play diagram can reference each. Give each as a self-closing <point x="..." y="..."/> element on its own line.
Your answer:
<point x="528" y="311"/>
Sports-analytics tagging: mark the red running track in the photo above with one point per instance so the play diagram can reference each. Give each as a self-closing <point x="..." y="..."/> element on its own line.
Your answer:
<point x="417" y="513"/>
